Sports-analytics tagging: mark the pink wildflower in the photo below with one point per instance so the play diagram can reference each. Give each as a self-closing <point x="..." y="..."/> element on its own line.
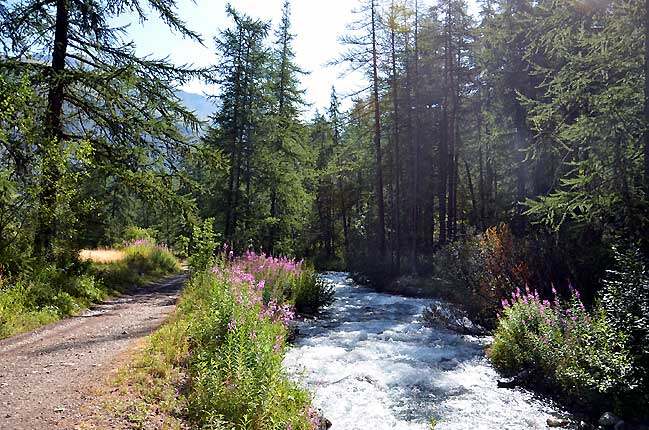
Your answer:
<point x="278" y="343"/>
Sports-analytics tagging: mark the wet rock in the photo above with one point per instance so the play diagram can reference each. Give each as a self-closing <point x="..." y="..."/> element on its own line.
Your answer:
<point x="448" y="363"/>
<point x="324" y="424"/>
<point x="293" y="332"/>
<point x="583" y="425"/>
<point x="366" y="378"/>
<point x="507" y="382"/>
<point x="557" y="422"/>
<point x="521" y="379"/>
<point x="608" y="419"/>
<point x="451" y="318"/>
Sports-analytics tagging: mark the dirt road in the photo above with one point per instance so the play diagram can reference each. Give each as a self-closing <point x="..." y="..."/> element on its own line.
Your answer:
<point x="43" y="373"/>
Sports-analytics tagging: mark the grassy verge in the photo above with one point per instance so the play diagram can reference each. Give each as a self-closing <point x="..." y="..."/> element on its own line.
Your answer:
<point x="217" y="363"/>
<point x="50" y="293"/>
<point x="150" y="390"/>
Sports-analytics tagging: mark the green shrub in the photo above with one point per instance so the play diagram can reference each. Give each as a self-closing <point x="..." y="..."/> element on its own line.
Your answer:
<point x="237" y="342"/>
<point x="47" y="295"/>
<point x="580" y="352"/>
<point x="478" y="270"/>
<point x="145" y="258"/>
<point x="626" y="300"/>
<point x="17" y="317"/>
<point x="181" y="247"/>
<point x="309" y="294"/>
<point x="134" y="233"/>
<point x="205" y="244"/>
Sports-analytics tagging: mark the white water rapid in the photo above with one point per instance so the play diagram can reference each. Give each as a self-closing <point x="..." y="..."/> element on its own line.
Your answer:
<point x="373" y="365"/>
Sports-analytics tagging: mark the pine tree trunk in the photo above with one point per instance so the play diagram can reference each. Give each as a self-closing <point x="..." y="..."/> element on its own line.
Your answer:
<point x="416" y="148"/>
<point x="377" y="139"/>
<point x="54" y="132"/>
<point x="646" y="99"/>
<point x="344" y="216"/>
<point x="447" y="172"/>
<point x="474" y="204"/>
<point x="238" y="96"/>
<point x="397" y="150"/>
<point x="520" y="143"/>
<point x="481" y="185"/>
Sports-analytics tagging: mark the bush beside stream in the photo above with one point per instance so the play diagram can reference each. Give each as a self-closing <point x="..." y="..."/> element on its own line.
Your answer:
<point x="595" y="358"/>
<point x="222" y="351"/>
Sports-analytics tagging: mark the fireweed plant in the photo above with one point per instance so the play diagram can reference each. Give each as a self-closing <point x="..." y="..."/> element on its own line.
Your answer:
<point x="574" y="350"/>
<point x="238" y="315"/>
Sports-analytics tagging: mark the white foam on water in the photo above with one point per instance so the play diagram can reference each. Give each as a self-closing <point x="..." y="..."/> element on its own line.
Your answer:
<point x="372" y="365"/>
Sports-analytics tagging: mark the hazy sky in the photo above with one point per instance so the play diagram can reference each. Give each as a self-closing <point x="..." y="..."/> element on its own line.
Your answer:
<point x="316" y="25"/>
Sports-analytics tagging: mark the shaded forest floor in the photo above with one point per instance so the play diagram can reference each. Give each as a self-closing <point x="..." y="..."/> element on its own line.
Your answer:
<point x="45" y="374"/>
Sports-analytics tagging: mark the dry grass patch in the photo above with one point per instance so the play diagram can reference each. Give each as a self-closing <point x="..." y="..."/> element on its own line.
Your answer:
<point x="105" y="255"/>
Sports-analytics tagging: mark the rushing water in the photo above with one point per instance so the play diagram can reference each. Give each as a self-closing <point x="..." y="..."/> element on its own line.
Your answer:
<point x="373" y="365"/>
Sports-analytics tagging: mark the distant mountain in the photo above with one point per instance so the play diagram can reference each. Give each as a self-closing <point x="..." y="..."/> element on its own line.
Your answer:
<point x="198" y="103"/>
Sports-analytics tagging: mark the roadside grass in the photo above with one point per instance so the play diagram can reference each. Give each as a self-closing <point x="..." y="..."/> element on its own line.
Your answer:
<point x="147" y="392"/>
<point x="50" y="293"/>
<point x="217" y="362"/>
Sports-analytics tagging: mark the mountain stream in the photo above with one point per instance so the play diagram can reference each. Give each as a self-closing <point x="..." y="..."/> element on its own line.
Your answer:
<point x="374" y="365"/>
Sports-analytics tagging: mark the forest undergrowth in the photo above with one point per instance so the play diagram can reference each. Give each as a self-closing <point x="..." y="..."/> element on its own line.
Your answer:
<point x="50" y="292"/>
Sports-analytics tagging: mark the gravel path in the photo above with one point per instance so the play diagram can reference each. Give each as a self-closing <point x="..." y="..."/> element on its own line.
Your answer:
<point x="43" y="372"/>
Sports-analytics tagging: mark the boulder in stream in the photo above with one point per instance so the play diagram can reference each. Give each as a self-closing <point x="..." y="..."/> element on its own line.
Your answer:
<point x="557" y="422"/>
<point x="522" y="379"/>
<point x="507" y="382"/>
<point x="452" y="318"/>
<point x="608" y="419"/>
<point x="323" y="422"/>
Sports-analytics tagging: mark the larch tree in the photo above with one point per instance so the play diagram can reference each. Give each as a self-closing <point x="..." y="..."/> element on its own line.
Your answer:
<point x="363" y="54"/>
<point x="287" y="152"/>
<point x="243" y="61"/>
<point x="97" y="89"/>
